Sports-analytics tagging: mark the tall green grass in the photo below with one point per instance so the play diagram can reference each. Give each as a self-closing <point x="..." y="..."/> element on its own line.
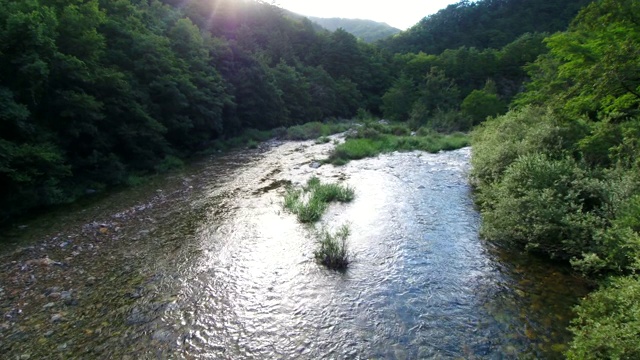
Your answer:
<point x="333" y="252"/>
<point x="370" y="142"/>
<point x="310" y="202"/>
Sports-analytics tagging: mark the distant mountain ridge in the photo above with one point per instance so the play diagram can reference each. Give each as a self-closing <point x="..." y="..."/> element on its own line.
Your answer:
<point x="367" y="30"/>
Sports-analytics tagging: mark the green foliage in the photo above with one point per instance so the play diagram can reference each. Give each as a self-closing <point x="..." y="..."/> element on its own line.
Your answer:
<point x="499" y="142"/>
<point x="310" y="202"/>
<point x="608" y="322"/>
<point x="314" y="130"/>
<point x="333" y="252"/>
<point x="399" y="99"/>
<point x="558" y="174"/>
<point x="438" y="94"/>
<point x="374" y="138"/>
<point x="447" y="121"/>
<point x="534" y="194"/>
<point x="169" y="163"/>
<point x="544" y="205"/>
<point x="98" y="90"/>
<point x="592" y="68"/>
<point x="481" y="104"/>
<point x="483" y="24"/>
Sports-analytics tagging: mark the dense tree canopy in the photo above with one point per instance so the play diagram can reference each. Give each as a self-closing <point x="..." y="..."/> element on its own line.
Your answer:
<point x="484" y="24"/>
<point x="95" y="91"/>
<point x="92" y="91"/>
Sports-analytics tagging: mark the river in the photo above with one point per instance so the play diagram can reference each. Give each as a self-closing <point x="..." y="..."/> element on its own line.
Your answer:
<point x="206" y="264"/>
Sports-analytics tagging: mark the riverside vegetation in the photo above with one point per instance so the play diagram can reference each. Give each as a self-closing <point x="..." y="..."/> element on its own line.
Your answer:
<point x="559" y="174"/>
<point x="308" y="204"/>
<point x="374" y="138"/>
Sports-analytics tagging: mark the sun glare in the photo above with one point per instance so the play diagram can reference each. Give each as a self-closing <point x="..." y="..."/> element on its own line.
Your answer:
<point x="400" y="13"/>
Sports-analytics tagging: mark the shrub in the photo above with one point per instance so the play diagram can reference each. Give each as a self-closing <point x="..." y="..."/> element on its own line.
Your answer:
<point x="257" y="135"/>
<point x="480" y="104"/>
<point x="252" y="144"/>
<point x="314" y="130"/>
<point x="279" y="132"/>
<point x="608" y="322"/>
<point x="616" y="248"/>
<point x="333" y="252"/>
<point x="543" y="204"/>
<point x="311" y="130"/>
<point x="449" y="121"/>
<point x="500" y="141"/>
<point x="169" y="163"/>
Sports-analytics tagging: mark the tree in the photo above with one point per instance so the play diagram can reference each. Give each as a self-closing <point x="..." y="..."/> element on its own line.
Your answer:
<point x="398" y="100"/>
<point x="481" y="104"/>
<point x="596" y="61"/>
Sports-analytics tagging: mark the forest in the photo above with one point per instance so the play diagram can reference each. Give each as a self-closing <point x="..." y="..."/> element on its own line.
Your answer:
<point x="95" y="94"/>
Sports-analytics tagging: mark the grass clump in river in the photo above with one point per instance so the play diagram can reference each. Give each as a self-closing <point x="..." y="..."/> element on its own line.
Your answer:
<point x="333" y="252"/>
<point x="310" y="202"/>
<point x="374" y="138"/>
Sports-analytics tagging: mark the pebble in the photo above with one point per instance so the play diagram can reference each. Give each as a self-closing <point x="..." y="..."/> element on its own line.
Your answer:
<point x="162" y="335"/>
<point x="56" y="318"/>
<point x="51" y="290"/>
<point x="49" y="305"/>
<point x="65" y="295"/>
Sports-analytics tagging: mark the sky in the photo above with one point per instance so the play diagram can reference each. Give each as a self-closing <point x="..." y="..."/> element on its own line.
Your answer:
<point x="401" y="14"/>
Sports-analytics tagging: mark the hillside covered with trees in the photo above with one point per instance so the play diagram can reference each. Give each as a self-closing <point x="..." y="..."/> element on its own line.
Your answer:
<point x="94" y="92"/>
<point x="483" y="24"/>
<point x="367" y="30"/>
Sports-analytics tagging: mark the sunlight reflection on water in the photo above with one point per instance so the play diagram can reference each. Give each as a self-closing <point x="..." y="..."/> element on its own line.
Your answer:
<point x="212" y="267"/>
<point x="422" y="284"/>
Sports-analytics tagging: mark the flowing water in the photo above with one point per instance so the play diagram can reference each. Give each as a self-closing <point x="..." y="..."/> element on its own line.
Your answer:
<point x="206" y="264"/>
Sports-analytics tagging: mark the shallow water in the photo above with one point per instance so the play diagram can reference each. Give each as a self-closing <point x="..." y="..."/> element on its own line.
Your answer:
<point x="207" y="264"/>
